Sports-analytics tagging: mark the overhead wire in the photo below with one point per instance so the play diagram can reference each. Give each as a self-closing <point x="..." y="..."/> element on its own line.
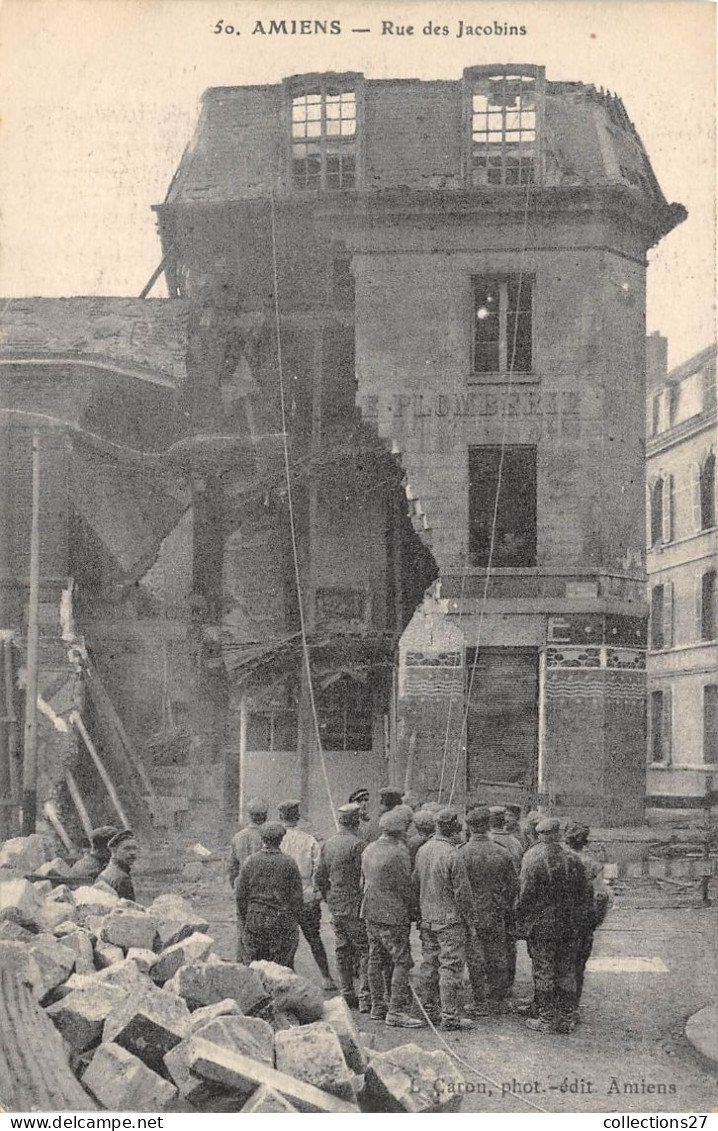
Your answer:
<point x="290" y="508"/>
<point x="497" y="496"/>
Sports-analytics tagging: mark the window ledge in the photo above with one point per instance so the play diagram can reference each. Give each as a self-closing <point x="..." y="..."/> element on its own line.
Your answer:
<point x="660" y="766"/>
<point x="504" y="378"/>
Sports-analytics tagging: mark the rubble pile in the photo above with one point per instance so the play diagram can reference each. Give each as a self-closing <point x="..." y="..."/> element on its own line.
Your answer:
<point x="153" y="1020"/>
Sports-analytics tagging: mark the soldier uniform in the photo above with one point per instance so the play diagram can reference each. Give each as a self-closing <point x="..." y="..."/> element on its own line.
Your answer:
<point x="269" y="901"/>
<point x="338" y="879"/>
<point x="494" y="886"/>
<point x="386" y="909"/>
<point x="447" y="914"/>
<point x="552" y="901"/>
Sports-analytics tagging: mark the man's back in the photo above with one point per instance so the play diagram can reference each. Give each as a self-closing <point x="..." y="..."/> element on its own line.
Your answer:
<point x="553" y="887"/>
<point x="510" y="844"/>
<point x="270" y="880"/>
<point x="444" y="891"/>
<point x="338" y="873"/>
<point x="243" y="845"/>
<point x="304" y="850"/>
<point x="492" y="876"/>
<point x="386" y="872"/>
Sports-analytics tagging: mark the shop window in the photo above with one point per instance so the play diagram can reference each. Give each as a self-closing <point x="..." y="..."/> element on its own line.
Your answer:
<point x="503" y="309"/>
<point x="511" y="517"/>
<point x="271" y="730"/>
<point x="345" y="711"/>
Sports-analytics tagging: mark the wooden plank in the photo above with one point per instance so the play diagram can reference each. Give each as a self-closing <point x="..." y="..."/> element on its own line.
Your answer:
<point x="76" y="720"/>
<point x="79" y="804"/>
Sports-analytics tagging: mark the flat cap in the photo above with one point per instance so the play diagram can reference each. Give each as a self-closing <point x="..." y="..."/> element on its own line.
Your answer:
<point x="393" y="822"/>
<point x="424" y="821"/>
<point x="533" y="817"/>
<point x="447" y="819"/>
<point x="497" y="810"/>
<point x="273" y="832"/>
<point x="349" y="814"/>
<point x="290" y="808"/>
<point x="103" y="834"/>
<point x="256" y="806"/>
<point x="120" y="838"/>
<point x="575" y="831"/>
<point x="390" y="795"/>
<point x="406" y="812"/>
<point x="548" y="825"/>
<point x="478" y="817"/>
<point x="513" y="809"/>
<point x="359" y="795"/>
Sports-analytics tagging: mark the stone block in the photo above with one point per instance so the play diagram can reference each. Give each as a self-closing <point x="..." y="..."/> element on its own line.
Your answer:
<point x="193" y="1089"/>
<point x="248" y="1035"/>
<point x="292" y="994"/>
<point x="50" y="964"/>
<point x="338" y="1015"/>
<point x="120" y="1081"/>
<point x="11" y="931"/>
<point x="202" y="983"/>
<point x="267" y="1101"/>
<point x="169" y="905"/>
<point x="107" y="955"/>
<point x="81" y="1015"/>
<point x="55" y="867"/>
<point x="25" y="854"/>
<point x="412" y="1079"/>
<point x="130" y="929"/>
<point x="142" y="958"/>
<point x="205" y="1013"/>
<point x="312" y="1053"/>
<point x="93" y="900"/>
<point x="241" y="1073"/>
<point x="15" y="958"/>
<point x="81" y="943"/>
<point x="42" y="887"/>
<point x="149" y="1023"/>
<point x="51" y="913"/>
<point x="19" y="901"/>
<point x="192" y="949"/>
<point x="124" y="974"/>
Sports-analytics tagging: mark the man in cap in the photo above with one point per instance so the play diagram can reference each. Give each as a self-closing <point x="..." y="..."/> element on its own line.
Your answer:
<point x="576" y="839"/>
<point x="386" y="909"/>
<point x="447" y="915"/>
<point x="424" y="825"/>
<point x="527" y="827"/>
<point x="553" y="891"/>
<point x="499" y="835"/>
<point x="304" y="850"/>
<point x="124" y="850"/>
<point x="512" y="821"/>
<point x="360" y="797"/>
<point x="97" y="856"/>
<point x="248" y="840"/>
<point x="338" y="879"/>
<point x="494" y="885"/>
<point x="270" y="900"/>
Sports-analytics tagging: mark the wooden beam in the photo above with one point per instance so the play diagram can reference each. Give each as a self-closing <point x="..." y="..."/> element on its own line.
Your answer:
<point x="76" y="796"/>
<point x="76" y="720"/>
<point x="52" y="815"/>
<point x="29" y="766"/>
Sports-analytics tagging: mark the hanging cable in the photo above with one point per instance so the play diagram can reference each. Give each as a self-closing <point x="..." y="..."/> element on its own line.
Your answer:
<point x="494" y="517"/>
<point x="290" y="506"/>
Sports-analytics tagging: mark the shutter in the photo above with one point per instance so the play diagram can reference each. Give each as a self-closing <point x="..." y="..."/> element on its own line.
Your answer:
<point x="667" y="515"/>
<point x="667" y="724"/>
<point x="502" y="719"/>
<point x="668" y="614"/>
<point x="696" y="496"/>
<point x="649" y="540"/>
<point x="698" y="608"/>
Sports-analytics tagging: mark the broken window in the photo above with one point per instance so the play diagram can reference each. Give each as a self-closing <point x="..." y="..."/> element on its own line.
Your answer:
<point x="344" y="710"/>
<point x="504" y="121"/>
<point x="503" y="324"/>
<point x="660" y="726"/>
<point x="323" y="129"/>
<point x="510" y="518"/>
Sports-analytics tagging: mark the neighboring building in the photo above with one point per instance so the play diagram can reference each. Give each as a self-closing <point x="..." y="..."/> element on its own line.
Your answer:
<point x="682" y="540"/>
<point x="468" y="257"/>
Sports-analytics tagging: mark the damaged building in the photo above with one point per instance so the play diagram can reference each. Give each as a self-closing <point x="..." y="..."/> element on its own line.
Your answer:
<point x="387" y="428"/>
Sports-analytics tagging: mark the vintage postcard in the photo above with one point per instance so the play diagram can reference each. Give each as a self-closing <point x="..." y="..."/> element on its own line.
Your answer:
<point x="358" y="550"/>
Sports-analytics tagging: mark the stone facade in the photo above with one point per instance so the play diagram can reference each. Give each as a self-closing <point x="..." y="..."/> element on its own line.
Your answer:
<point x="682" y="540"/>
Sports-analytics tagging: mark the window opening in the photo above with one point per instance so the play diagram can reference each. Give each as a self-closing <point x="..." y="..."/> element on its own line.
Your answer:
<point x="324" y="121"/>
<point x="515" y="534"/>
<point x="503" y="130"/>
<point x="503" y="324"/>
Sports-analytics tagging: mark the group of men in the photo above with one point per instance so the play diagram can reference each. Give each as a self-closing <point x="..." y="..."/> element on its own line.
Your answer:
<point x="472" y="887"/>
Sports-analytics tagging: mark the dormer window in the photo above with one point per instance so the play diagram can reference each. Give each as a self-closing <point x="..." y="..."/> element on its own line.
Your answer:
<point x="324" y="136"/>
<point x="504" y="122"/>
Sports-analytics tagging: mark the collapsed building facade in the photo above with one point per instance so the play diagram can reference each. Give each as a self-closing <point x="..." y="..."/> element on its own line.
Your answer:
<point x="434" y="294"/>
